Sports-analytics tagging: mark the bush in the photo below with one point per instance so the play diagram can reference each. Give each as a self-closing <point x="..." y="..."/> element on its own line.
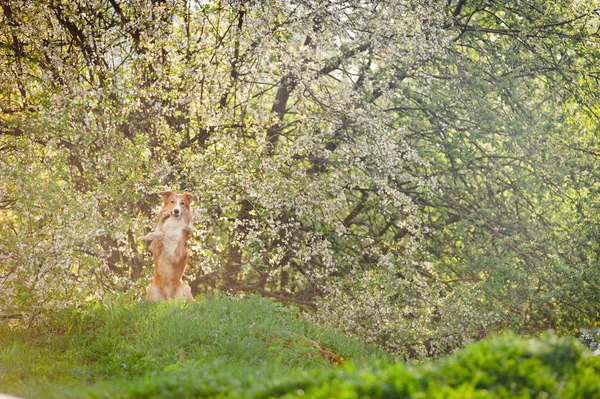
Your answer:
<point x="503" y="367"/>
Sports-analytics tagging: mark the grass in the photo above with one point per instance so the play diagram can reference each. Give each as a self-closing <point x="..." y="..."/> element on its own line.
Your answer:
<point x="130" y="346"/>
<point x="255" y="348"/>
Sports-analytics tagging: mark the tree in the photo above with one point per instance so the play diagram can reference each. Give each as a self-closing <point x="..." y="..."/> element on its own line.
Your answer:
<point x="391" y="164"/>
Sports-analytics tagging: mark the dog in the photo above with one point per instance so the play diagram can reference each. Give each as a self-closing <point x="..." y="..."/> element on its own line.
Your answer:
<point x="169" y="247"/>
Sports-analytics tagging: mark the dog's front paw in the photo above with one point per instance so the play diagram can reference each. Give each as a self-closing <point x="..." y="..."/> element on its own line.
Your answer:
<point x="164" y="216"/>
<point x="151" y="236"/>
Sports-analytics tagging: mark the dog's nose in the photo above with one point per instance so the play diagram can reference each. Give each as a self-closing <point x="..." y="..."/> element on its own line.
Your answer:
<point x="176" y="211"/>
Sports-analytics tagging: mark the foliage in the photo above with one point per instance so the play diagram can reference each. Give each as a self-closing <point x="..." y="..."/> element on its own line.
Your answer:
<point x="515" y="152"/>
<point x="503" y="367"/>
<point x="255" y="348"/>
<point x="420" y="172"/>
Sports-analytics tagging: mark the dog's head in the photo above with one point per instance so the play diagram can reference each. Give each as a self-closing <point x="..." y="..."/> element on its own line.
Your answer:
<point x="177" y="204"/>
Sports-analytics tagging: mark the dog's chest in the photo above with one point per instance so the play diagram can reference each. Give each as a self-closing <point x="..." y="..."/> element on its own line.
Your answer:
<point x="173" y="233"/>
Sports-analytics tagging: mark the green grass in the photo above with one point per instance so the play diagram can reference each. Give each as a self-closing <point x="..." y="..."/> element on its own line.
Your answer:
<point x="255" y="348"/>
<point x="118" y="348"/>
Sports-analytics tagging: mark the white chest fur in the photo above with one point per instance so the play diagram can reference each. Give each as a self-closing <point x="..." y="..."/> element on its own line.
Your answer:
<point x="173" y="233"/>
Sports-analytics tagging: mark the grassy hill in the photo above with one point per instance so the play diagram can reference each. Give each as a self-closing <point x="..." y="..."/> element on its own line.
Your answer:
<point x="256" y="348"/>
<point x="132" y="347"/>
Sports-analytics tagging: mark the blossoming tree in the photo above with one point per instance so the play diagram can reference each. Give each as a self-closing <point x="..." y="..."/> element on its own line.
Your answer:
<point x="390" y="165"/>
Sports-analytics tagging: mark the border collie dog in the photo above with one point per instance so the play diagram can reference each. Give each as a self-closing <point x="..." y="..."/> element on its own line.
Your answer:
<point x="169" y="247"/>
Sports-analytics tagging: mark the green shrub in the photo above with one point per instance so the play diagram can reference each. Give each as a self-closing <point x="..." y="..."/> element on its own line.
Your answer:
<point x="503" y="367"/>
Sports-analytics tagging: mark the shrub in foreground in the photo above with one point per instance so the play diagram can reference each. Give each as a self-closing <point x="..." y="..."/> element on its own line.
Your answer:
<point x="503" y="367"/>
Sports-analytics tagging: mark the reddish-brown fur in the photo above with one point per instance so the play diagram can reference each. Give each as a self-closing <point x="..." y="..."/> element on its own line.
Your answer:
<point x="169" y="246"/>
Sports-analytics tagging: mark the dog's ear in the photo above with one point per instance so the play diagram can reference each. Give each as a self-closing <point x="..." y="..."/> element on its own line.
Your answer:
<point x="190" y="197"/>
<point x="166" y="194"/>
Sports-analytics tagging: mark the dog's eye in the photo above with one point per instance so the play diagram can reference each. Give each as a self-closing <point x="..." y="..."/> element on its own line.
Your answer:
<point x="172" y="202"/>
<point x="182" y="203"/>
